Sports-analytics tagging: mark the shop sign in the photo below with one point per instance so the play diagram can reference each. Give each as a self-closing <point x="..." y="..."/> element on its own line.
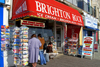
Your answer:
<point x="32" y="23"/>
<point x="88" y="45"/>
<point x="2" y="1"/>
<point x="48" y="9"/>
<point x="90" y="21"/>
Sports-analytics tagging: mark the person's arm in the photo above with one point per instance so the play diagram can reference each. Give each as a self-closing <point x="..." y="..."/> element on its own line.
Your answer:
<point x="40" y="44"/>
<point x="29" y="43"/>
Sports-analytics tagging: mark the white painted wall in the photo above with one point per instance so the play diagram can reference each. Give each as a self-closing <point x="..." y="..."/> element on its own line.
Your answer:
<point x="8" y="58"/>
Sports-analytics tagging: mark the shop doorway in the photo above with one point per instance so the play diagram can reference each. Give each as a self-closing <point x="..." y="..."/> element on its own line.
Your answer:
<point x="59" y="38"/>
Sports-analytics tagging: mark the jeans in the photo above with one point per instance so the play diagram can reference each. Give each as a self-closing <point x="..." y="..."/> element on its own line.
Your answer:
<point x="42" y="58"/>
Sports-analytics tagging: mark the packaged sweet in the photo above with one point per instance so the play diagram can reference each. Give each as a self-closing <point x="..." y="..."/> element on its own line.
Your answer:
<point x="25" y="56"/>
<point x="25" y="52"/>
<point x="7" y="33"/>
<point x="16" y="36"/>
<point x="3" y="30"/>
<point x="3" y="49"/>
<point x="21" y="44"/>
<point x="15" y="50"/>
<point x="24" y="28"/>
<point x="25" y="32"/>
<point x="7" y="30"/>
<point x="25" y="63"/>
<point x="7" y="39"/>
<point x="15" y="47"/>
<point x="7" y="36"/>
<point x="16" y="29"/>
<point x="15" y="58"/>
<point x="2" y="33"/>
<point x="16" y="44"/>
<point x="2" y="39"/>
<point x="25" y="48"/>
<point x="16" y="40"/>
<point x="25" y="59"/>
<point x="3" y="45"/>
<point x="20" y="48"/>
<point x="7" y="27"/>
<point x="25" y="40"/>
<point x="3" y="36"/>
<point x="3" y="42"/>
<point x="2" y="27"/>
<point x="25" y="36"/>
<point x="16" y="54"/>
<point x="25" y="44"/>
<point x="7" y="45"/>
<point x="20" y="52"/>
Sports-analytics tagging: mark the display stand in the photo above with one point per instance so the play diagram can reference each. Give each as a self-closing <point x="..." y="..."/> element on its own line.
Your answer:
<point x="20" y="46"/>
<point x="24" y="45"/>
<point x="16" y="43"/>
<point x="5" y="38"/>
<point x="54" y="48"/>
<point x="72" y="44"/>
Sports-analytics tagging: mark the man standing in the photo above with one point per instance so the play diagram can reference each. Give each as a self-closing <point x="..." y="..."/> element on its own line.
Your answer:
<point x="34" y="45"/>
<point x="42" y="59"/>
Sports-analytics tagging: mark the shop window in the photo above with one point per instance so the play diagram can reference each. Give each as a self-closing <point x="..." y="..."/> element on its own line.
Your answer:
<point x="94" y="11"/>
<point x="89" y="33"/>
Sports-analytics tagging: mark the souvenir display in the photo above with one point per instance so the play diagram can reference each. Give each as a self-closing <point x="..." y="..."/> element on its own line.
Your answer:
<point x="72" y="45"/>
<point x="24" y="45"/>
<point x="5" y="38"/>
<point x="54" y="45"/>
<point x="15" y="44"/>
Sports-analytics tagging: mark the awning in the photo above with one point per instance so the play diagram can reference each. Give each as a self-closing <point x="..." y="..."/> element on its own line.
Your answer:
<point x="92" y="28"/>
<point x="46" y="9"/>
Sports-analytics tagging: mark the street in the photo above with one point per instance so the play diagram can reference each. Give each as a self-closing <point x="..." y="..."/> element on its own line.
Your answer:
<point x="71" y="61"/>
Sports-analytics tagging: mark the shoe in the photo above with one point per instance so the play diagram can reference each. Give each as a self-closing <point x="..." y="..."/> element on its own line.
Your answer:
<point x="45" y="64"/>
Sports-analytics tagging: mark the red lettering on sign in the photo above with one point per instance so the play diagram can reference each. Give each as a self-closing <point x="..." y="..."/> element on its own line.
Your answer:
<point x="31" y="23"/>
<point x="86" y="54"/>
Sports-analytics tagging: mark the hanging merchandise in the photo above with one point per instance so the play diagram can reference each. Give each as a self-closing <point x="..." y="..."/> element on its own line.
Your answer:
<point x="54" y="45"/>
<point x="16" y="43"/>
<point x="72" y="44"/>
<point x="24" y="45"/>
<point x="5" y="38"/>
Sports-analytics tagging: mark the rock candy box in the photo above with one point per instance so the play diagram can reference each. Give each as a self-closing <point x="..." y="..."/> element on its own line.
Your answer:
<point x="25" y="48"/>
<point x="3" y="36"/>
<point x="15" y="50"/>
<point x="25" y="63"/>
<point x="25" y="56"/>
<point x="2" y="33"/>
<point x="25" y="52"/>
<point x="25" y="59"/>
<point x="3" y="30"/>
<point x="7" y="27"/>
<point x="25" y="44"/>
<point x="24" y="40"/>
<point x="2" y="27"/>
<point x="25" y="36"/>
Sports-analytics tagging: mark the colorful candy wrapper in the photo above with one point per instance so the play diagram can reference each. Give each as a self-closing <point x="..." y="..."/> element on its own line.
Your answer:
<point x="25" y="36"/>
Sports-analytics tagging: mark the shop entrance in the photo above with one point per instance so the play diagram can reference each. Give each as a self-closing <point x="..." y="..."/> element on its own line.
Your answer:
<point x="59" y="38"/>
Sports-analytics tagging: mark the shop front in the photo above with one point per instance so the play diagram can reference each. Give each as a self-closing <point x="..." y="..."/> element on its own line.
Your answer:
<point x="53" y="20"/>
<point x="47" y="10"/>
<point x="91" y="27"/>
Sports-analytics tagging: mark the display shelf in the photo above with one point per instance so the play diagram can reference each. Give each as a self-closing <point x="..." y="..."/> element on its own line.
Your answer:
<point x="72" y="46"/>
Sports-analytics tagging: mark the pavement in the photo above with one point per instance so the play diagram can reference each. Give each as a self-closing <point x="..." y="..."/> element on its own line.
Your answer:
<point x="70" y="61"/>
